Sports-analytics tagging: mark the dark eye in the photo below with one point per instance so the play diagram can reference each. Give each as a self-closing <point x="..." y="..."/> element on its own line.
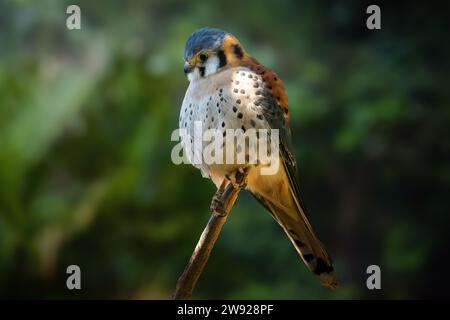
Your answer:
<point x="203" y="57"/>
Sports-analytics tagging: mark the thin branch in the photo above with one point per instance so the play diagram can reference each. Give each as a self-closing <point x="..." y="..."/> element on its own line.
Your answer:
<point x="224" y="200"/>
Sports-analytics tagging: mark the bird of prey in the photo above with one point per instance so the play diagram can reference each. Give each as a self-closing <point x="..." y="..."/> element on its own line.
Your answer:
<point x="230" y="89"/>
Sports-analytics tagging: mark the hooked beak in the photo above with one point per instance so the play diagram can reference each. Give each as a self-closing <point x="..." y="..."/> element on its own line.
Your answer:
<point x="187" y="68"/>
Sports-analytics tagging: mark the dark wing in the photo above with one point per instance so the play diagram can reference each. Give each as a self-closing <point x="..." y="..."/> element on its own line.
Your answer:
<point x="282" y="209"/>
<point x="276" y="111"/>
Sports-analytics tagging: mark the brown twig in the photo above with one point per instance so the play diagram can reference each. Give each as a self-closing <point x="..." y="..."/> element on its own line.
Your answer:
<point x="225" y="200"/>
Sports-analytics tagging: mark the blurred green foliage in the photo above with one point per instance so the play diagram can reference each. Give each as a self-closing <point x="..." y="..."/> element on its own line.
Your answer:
<point x="85" y="170"/>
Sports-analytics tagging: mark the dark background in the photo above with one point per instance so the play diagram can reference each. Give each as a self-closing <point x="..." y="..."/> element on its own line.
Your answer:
<point x="86" y="176"/>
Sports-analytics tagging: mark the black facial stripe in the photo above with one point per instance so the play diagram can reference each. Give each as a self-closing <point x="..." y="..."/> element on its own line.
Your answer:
<point x="202" y="71"/>
<point x="222" y="58"/>
<point x="238" y="51"/>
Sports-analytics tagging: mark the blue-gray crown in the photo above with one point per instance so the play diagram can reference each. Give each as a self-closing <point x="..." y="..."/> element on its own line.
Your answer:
<point x="204" y="38"/>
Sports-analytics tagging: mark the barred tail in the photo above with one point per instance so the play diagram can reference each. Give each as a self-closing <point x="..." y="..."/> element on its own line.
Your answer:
<point x="298" y="228"/>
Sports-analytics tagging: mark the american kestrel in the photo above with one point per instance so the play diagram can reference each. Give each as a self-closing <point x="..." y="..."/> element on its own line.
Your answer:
<point x="229" y="89"/>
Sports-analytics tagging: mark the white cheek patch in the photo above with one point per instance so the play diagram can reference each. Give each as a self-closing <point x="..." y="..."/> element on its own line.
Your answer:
<point x="211" y="65"/>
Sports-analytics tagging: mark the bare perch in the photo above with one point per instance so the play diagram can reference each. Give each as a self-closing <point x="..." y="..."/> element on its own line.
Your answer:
<point x="221" y="206"/>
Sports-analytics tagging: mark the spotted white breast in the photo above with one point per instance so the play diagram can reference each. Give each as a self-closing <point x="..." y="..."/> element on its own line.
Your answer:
<point x="225" y="100"/>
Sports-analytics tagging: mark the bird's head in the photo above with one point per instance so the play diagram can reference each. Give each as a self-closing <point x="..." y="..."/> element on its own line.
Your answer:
<point x="208" y="51"/>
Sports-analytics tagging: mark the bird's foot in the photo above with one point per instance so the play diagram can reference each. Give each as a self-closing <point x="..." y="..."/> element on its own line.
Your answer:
<point x="217" y="204"/>
<point x="238" y="178"/>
